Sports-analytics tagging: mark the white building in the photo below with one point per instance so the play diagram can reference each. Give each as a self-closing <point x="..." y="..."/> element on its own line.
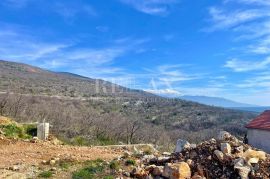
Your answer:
<point x="259" y="132"/>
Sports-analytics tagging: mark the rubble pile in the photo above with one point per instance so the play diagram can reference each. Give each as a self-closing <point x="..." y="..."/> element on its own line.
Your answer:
<point x="224" y="157"/>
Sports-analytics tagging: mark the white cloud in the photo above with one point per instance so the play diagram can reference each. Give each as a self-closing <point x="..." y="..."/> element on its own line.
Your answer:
<point x="256" y="2"/>
<point x="152" y="7"/>
<point x="166" y="92"/>
<point x="222" y="19"/>
<point x="244" y="66"/>
<point x="69" y="10"/>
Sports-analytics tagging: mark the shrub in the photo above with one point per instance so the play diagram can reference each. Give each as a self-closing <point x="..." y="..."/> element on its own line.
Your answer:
<point x="89" y="172"/>
<point x="130" y="162"/>
<point x="45" y="174"/>
<point x="12" y="130"/>
<point x="114" y="165"/>
<point x="64" y="164"/>
<point x="79" y="140"/>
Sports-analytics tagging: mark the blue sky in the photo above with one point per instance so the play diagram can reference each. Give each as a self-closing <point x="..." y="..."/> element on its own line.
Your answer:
<point x="169" y="47"/>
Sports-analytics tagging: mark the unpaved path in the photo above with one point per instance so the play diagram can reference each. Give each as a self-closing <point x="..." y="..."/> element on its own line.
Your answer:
<point x="14" y="152"/>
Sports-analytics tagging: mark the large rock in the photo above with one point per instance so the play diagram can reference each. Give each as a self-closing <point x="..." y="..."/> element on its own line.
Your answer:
<point x="242" y="167"/>
<point x="239" y="151"/>
<point x="181" y="145"/>
<point x="158" y="170"/>
<point x="224" y="135"/>
<point x="219" y="155"/>
<point x="177" y="171"/>
<point x="226" y="148"/>
<point x="253" y="156"/>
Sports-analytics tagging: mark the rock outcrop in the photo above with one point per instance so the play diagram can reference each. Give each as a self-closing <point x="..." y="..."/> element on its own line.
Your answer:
<point x="226" y="157"/>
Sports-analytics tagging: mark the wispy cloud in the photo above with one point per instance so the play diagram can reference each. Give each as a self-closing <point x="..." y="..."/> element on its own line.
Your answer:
<point x="164" y="92"/>
<point x="18" y="45"/>
<point x="222" y="19"/>
<point x="15" y="3"/>
<point x="244" y="66"/>
<point x="70" y="10"/>
<point x="152" y="7"/>
<point x="256" y="2"/>
<point x="66" y="9"/>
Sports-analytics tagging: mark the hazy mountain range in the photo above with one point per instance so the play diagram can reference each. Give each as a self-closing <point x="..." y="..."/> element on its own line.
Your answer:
<point x="226" y="103"/>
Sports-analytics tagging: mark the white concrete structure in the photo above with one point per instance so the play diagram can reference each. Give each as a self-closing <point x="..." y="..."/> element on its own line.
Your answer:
<point x="259" y="139"/>
<point x="259" y="132"/>
<point x="43" y="131"/>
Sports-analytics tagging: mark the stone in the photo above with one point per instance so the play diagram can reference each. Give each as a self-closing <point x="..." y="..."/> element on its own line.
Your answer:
<point x="193" y="154"/>
<point x="127" y="174"/>
<point x="239" y="151"/>
<point x="253" y="156"/>
<point x="52" y="162"/>
<point x="163" y="159"/>
<point x="219" y="155"/>
<point x="253" y="161"/>
<point x="177" y="171"/>
<point x="126" y="154"/>
<point x="166" y="153"/>
<point x="224" y="135"/>
<point x="190" y="162"/>
<point x="226" y="148"/>
<point x="150" y="167"/>
<point x="158" y="170"/>
<point x="181" y="145"/>
<point x="140" y="173"/>
<point x="34" y="140"/>
<point x="243" y="168"/>
<point x="53" y="169"/>
<point x="15" y="168"/>
<point x="196" y="176"/>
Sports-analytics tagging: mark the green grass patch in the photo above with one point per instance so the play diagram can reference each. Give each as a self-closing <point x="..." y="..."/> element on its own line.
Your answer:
<point x="130" y="162"/>
<point x="45" y="174"/>
<point x="64" y="165"/>
<point x="91" y="170"/>
<point x="114" y="165"/>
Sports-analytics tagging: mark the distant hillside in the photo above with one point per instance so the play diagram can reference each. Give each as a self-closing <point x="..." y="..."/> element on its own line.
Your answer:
<point x="216" y="101"/>
<point x="253" y="109"/>
<point x="115" y="114"/>
<point x="33" y="80"/>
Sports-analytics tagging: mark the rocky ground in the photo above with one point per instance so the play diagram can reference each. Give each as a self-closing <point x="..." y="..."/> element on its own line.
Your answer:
<point x="224" y="157"/>
<point x="25" y="157"/>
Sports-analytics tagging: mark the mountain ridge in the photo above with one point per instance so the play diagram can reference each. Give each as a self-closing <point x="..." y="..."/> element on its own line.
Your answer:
<point x="216" y="101"/>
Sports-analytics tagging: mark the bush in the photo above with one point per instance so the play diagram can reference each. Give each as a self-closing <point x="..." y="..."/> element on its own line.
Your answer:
<point x="89" y="172"/>
<point x="130" y="162"/>
<point x="64" y="164"/>
<point x="12" y="130"/>
<point x="45" y="174"/>
<point x="79" y="140"/>
<point x="114" y="165"/>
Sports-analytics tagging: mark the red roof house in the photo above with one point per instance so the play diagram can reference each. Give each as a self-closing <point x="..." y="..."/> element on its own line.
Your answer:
<point x="259" y="131"/>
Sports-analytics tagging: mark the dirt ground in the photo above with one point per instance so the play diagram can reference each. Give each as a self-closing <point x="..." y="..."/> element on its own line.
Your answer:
<point x="29" y="156"/>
